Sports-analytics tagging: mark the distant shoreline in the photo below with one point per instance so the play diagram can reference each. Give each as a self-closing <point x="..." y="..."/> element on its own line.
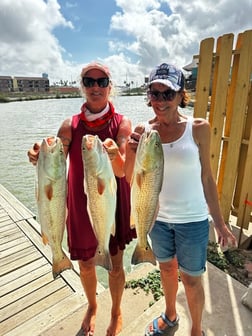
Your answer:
<point x="19" y="97"/>
<point x="31" y="96"/>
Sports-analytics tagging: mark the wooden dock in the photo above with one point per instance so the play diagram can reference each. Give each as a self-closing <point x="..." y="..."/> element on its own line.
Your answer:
<point x="31" y="302"/>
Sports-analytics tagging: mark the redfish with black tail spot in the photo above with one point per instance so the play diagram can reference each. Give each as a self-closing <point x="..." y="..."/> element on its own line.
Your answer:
<point x="146" y="184"/>
<point x="51" y="200"/>
<point x="100" y="187"/>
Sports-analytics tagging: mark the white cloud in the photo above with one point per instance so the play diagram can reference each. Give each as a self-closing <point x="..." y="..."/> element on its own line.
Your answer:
<point x="142" y="34"/>
<point x="174" y="34"/>
<point x="27" y="44"/>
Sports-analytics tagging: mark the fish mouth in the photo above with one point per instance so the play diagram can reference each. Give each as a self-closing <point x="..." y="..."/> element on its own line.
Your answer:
<point x="89" y="141"/>
<point x="50" y="141"/>
<point x="50" y="144"/>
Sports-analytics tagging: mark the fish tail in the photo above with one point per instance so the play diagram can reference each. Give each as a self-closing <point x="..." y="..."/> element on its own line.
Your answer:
<point x="60" y="266"/>
<point x="103" y="259"/>
<point x="45" y="239"/>
<point x="143" y="254"/>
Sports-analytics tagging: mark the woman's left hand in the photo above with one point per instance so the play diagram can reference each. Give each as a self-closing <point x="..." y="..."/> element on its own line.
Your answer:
<point x="225" y="236"/>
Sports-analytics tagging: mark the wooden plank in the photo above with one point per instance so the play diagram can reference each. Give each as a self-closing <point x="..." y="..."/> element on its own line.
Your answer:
<point x="24" y="275"/>
<point x="243" y="185"/>
<point x="203" y="78"/>
<point x="12" y="251"/>
<point x="26" y="282"/>
<point x="15" y="235"/>
<point x="15" y="209"/>
<point x="229" y="113"/>
<point x="7" y="228"/>
<point x="71" y="277"/>
<point x="9" y="244"/>
<point x="25" y="290"/>
<point x="6" y="225"/>
<point x="238" y="118"/>
<point x="18" y="255"/>
<point x="35" y="238"/>
<point x="15" y="264"/>
<point x="27" y="286"/>
<point x="5" y="221"/>
<point x="244" y="211"/>
<point x="222" y="66"/>
<point x="32" y="298"/>
<point x="46" y="319"/>
<point x="42" y="302"/>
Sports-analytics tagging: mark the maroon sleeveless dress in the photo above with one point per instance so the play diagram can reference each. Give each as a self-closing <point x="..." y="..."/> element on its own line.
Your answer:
<point x="82" y="242"/>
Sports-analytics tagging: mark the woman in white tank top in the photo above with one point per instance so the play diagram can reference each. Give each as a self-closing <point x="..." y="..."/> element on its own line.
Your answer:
<point x="189" y="194"/>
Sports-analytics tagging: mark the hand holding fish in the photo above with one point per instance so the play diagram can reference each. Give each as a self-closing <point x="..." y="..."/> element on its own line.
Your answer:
<point x="100" y="187"/>
<point x="111" y="148"/>
<point x="33" y="153"/>
<point x="146" y="184"/>
<point x="115" y="156"/>
<point x="135" y="137"/>
<point x="51" y="199"/>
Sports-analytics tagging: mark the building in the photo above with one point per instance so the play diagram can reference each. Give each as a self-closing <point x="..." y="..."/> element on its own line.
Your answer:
<point x="192" y="68"/>
<point x="6" y="84"/>
<point x="24" y="84"/>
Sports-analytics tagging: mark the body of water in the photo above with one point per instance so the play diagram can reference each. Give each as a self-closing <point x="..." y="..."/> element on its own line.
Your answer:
<point x="24" y="123"/>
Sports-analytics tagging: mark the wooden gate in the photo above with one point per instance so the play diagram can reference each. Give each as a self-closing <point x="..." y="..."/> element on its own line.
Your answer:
<point x="224" y="96"/>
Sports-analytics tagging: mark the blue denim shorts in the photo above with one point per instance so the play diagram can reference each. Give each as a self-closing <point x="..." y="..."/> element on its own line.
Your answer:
<point x="188" y="242"/>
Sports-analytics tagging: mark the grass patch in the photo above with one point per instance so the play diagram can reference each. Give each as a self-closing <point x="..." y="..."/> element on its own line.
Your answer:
<point x="231" y="262"/>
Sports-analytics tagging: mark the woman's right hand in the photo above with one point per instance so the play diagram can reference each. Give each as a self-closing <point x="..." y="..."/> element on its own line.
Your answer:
<point x="135" y="137"/>
<point x="33" y="153"/>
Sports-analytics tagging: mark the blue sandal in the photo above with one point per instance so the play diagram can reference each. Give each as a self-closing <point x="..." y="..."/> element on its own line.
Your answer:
<point x="156" y="331"/>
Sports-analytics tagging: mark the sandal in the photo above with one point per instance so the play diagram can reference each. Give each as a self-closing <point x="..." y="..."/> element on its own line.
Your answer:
<point x="156" y="331"/>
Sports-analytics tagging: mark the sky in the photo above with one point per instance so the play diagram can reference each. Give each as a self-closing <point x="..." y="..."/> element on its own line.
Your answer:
<point x="59" y="37"/>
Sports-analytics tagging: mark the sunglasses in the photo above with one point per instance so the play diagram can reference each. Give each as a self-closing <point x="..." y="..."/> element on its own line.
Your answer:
<point x="167" y="95"/>
<point x="90" y="82"/>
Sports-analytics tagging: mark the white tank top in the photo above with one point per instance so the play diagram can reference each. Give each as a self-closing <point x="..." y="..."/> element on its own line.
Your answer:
<point x="182" y="198"/>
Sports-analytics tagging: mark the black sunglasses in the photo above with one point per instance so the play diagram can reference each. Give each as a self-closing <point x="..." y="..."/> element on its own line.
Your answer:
<point x="168" y="95"/>
<point x="90" y="82"/>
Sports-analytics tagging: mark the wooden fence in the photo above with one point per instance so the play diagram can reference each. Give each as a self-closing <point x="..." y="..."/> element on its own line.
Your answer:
<point x="224" y="96"/>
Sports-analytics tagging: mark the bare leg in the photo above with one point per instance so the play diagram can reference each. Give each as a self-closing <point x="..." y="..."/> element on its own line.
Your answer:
<point x="116" y="286"/>
<point x="196" y="300"/>
<point x="169" y="279"/>
<point x="89" y="283"/>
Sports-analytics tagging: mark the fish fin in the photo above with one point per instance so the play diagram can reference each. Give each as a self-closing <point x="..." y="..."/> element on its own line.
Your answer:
<point x="44" y="238"/>
<point x="113" y="229"/>
<point x="60" y="266"/>
<point x="143" y="254"/>
<point x="100" y="186"/>
<point x="139" y="179"/>
<point x="112" y="186"/>
<point x="132" y="222"/>
<point x="155" y="216"/>
<point x="103" y="259"/>
<point x="49" y="191"/>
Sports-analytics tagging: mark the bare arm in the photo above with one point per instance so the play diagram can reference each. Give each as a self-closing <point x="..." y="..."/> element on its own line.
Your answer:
<point x="65" y="134"/>
<point x="202" y="134"/>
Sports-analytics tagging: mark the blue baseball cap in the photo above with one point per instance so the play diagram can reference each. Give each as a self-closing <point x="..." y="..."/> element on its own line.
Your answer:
<point x="168" y="75"/>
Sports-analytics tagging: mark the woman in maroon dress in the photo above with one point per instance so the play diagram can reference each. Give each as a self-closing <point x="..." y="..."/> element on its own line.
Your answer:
<point x="97" y="117"/>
